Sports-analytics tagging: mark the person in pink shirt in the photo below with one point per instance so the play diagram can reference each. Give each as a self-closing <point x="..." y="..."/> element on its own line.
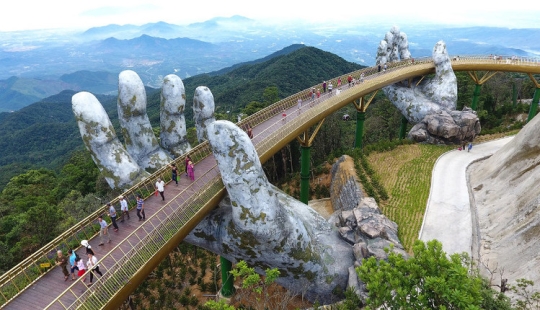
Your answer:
<point x="191" y="170"/>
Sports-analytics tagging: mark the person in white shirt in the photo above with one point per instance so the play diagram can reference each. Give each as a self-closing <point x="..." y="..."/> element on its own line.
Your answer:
<point x="124" y="208"/>
<point x="160" y="187"/>
<point x="92" y="266"/>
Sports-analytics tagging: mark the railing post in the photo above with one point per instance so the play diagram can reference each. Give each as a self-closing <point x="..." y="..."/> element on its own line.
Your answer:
<point x="403" y="127"/>
<point x="534" y="104"/>
<point x="476" y="95"/>
<point x="227" y="279"/>
<point x="304" y="174"/>
<point x="360" y="118"/>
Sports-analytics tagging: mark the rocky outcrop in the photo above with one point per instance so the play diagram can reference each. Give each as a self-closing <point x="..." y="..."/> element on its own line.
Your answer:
<point x="431" y="100"/>
<point x="507" y="195"/>
<point x="447" y="127"/>
<point x="345" y="189"/>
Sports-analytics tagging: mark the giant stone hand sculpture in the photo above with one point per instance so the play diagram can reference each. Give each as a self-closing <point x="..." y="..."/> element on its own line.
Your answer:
<point x="256" y="222"/>
<point x="123" y="167"/>
<point x="431" y="104"/>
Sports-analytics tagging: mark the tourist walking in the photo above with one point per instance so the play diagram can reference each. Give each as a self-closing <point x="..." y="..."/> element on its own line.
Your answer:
<point x="103" y="231"/>
<point x="174" y="172"/>
<point x="188" y="159"/>
<point x="250" y="131"/>
<point x="87" y="246"/>
<point x="469" y="147"/>
<point x="191" y="171"/>
<point x="339" y="82"/>
<point x="73" y="263"/>
<point x="80" y="267"/>
<point x="330" y="86"/>
<point x="349" y="80"/>
<point x="93" y="266"/>
<point x="124" y="208"/>
<point x="160" y="187"/>
<point x="140" y="208"/>
<point x="324" y="87"/>
<point x="62" y="262"/>
<point x="112" y="215"/>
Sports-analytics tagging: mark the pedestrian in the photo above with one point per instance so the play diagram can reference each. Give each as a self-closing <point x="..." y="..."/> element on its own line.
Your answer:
<point x="312" y="93"/>
<point x="349" y="80"/>
<point x="124" y="208"/>
<point x="93" y="266"/>
<point x="339" y="82"/>
<point x="174" y="172"/>
<point x="160" y="187"/>
<point x="318" y="93"/>
<point x="191" y="171"/>
<point x="299" y="105"/>
<point x="470" y="147"/>
<point x="385" y="67"/>
<point x="87" y="246"/>
<point x="188" y="159"/>
<point x="80" y="267"/>
<point x="324" y="86"/>
<point x="72" y="261"/>
<point x="140" y="208"/>
<point x="379" y="68"/>
<point x="62" y="261"/>
<point x="112" y="215"/>
<point x="103" y="231"/>
<point x="249" y="132"/>
<point x="330" y="86"/>
<point x="362" y="77"/>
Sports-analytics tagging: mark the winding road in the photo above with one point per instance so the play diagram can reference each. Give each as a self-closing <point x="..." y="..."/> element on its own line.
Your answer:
<point x="448" y="217"/>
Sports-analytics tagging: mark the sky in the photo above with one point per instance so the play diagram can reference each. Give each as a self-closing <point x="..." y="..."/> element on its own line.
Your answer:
<point x="81" y="15"/>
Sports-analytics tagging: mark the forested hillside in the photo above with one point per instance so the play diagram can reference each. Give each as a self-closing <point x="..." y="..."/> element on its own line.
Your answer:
<point x="45" y="134"/>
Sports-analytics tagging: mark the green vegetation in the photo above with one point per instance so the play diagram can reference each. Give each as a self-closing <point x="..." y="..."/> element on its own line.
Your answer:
<point x="427" y="280"/>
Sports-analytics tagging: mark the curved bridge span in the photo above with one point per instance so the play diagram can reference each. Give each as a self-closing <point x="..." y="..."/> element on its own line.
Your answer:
<point x="139" y="247"/>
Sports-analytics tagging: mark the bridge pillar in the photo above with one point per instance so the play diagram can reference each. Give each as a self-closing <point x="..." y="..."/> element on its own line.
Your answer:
<point x="403" y="127"/>
<point x="534" y="104"/>
<point x="476" y="95"/>
<point x="360" y="118"/>
<point x="305" y="143"/>
<point x="304" y="174"/>
<point x="227" y="279"/>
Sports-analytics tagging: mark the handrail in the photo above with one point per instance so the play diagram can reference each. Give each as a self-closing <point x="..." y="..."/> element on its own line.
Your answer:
<point x="28" y="271"/>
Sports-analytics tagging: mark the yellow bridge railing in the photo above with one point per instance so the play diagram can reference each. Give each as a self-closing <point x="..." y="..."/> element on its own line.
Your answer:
<point x="281" y="132"/>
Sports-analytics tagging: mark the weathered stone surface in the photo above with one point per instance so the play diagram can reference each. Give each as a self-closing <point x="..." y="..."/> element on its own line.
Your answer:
<point x="173" y="122"/>
<point x="345" y="187"/>
<point x="507" y="196"/>
<point x="360" y="251"/>
<point x="99" y="137"/>
<point x="123" y="167"/>
<point x="446" y="127"/>
<point x="266" y="227"/>
<point x="203" y="111"/>
<point x="432" y="96"/>
<point x="141" y="143"/>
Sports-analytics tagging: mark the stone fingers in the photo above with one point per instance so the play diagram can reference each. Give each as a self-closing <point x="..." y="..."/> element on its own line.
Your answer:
<point x="203" y="111"/>
<point x="253" y="201"/>
<point x="99" y="137"/>
<point x="173" y="122"/>
<point x="139" y="137"/>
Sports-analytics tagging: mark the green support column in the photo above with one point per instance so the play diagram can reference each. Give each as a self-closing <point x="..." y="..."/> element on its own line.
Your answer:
<point x="227" y="279"/>
<point x="360" y="118"/>
<point x="403" y="127"/>
<point x="476" y="95"/>
<point x="304" y="174"/>
<point x="534" y="105"/>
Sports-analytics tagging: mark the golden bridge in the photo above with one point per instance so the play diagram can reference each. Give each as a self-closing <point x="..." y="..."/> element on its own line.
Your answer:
<point x="138" y="247"/>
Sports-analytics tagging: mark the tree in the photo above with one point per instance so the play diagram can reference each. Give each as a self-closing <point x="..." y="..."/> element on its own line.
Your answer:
<point x="428" y="280"/>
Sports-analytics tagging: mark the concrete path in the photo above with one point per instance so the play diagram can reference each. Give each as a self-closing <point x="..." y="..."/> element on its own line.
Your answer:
<point x="448" y="212"/>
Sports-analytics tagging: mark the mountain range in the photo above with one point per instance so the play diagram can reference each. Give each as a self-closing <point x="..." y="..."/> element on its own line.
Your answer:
<point x="38" y="64"/>
<point x="45" y="133"/>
